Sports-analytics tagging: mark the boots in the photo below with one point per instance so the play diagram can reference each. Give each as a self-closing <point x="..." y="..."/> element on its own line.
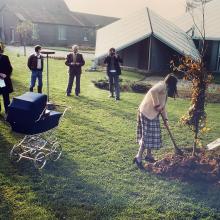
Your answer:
<point x="39" y="89"/>
<point x="31" y="89"/>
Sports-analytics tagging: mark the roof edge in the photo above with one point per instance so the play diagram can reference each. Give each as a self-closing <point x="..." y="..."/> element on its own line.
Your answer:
<point x="125" y="46"/>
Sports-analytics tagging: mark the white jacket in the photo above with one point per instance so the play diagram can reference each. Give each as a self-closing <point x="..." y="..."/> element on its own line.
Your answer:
<point x="156" y="96"/>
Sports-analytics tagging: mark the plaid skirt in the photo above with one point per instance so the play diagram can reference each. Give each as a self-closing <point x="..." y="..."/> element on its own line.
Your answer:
<point x="148" y="132"/>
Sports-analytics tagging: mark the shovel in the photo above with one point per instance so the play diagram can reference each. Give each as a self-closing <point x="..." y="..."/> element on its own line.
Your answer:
<point x="177" y="150"/>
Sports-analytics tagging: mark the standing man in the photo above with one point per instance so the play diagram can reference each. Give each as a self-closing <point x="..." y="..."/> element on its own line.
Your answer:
<point x="75" y="62"/>
<point x="5" y="78"/>
<point x="113" y="72"/>
<point x="36" y="64"/>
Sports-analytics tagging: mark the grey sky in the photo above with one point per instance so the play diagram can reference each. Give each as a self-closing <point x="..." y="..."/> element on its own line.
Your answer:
<point x="121" y="8"/>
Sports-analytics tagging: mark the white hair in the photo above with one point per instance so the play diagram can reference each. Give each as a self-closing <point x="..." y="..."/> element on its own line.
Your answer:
<point x="75" y="47"/>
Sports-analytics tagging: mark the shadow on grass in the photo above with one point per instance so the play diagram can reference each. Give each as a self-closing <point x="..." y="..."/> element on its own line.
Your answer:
<point x="61" y="190"/>
<point x="6" y="209"/>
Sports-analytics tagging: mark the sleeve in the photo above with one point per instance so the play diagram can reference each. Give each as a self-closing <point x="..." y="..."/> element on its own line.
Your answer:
<point x="164" y="113"/>
<point x="29" y="62"/>
<point x="106" y="60"/>
<point x="82" y="61"/>
<point x="155" y="90"/>
<point x="9" y="67"/>
<point x="120" y="60"/>
<point x="67" y="62"/>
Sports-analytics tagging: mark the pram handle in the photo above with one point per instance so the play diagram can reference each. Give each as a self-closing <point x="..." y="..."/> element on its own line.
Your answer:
<point x="44" y="110"/>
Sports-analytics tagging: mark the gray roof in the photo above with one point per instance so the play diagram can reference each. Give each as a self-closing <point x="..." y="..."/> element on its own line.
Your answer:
<point x="139" y="26"/>
<point x="42" y="11"/>
<point x="212" y="21"/>
<point x="92" y="20"/>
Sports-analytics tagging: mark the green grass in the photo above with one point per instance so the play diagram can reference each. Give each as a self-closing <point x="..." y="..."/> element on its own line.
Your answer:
<point x="95" y="177"/>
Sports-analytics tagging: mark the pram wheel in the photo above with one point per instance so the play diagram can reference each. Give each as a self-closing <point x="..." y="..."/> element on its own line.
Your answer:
<point x="55" y="152"/>
<point x="40" y="160"/>
<point x="15" y="154"/>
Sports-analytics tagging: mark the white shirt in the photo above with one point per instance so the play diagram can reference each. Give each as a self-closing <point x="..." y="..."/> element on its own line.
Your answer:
<point x="39" y="66"/>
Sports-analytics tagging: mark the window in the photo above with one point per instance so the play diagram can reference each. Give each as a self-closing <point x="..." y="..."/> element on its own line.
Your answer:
<point x="35" y="32"/>
<point x="61" y="32"/>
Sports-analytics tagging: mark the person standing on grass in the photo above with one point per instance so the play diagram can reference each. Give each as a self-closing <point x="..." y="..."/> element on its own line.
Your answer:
<point x="36" y="64"/>
<point x="148" y="124"/>
<point x="5" y="78"/>
<point x="113" y="71"/>
<point x="75" y="62"/>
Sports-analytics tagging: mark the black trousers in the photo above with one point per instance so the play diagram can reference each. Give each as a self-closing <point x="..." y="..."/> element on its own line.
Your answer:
<point x="6" y="100"/>
<point x="72" y="76"/>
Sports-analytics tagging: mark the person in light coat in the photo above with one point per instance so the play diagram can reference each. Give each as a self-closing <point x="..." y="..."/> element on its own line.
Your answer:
<point x="148" y="123"/>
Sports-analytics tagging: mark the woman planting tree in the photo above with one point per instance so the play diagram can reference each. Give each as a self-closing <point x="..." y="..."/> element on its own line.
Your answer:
<point x="148" y="124"/>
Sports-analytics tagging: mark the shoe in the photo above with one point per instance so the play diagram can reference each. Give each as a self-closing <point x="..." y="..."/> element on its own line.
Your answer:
<point x="150" y="159"/>
<point x="139" y="164"/>
<point x="117" y="99"/>
<point x="77" y="95"/>
<point x="111" y="96"/>
<point x="68" y="94"/>
<point x="39" y="89"/>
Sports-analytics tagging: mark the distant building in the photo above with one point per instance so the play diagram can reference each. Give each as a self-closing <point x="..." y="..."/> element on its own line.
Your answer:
<point x="145" y="41"/>
<point x="53" y="23"/>
<point x="212" y="29"/>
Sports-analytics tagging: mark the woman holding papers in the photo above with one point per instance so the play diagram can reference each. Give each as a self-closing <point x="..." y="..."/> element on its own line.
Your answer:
<point x="5" y="78"/>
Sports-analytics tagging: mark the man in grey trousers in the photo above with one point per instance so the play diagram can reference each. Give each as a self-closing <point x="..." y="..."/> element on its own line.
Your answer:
<point x="75" y="62"/>
<point x="113" y="71"/>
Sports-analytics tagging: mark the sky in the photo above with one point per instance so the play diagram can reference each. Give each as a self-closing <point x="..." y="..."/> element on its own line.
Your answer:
<point x="120" y="8"/>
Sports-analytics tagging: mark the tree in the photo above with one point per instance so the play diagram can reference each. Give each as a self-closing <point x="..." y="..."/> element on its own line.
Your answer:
<point x="195" y="71"/>
<point x="25" y="30"/>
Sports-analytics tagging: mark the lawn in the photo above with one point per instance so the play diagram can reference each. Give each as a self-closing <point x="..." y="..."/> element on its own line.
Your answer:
<point x="95" y="177"/>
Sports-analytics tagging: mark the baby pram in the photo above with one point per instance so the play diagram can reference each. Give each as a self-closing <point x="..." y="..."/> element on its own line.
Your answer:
<point x="28" y="114"/>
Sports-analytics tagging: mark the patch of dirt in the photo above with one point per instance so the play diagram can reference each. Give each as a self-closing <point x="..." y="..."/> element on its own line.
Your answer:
<point x="203" y="167"/>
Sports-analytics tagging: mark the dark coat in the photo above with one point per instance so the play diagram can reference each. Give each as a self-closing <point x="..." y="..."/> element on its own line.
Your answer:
<point x="32" y="62"/>
<point x="117" y="61"/>
<point x="73" y="68"/>
<point x="6" y="68"/>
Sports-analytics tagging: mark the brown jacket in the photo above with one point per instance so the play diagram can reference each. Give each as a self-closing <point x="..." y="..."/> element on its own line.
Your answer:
<point x="32" y="62"/>
<point x="156" y="96"/>
<point x="73" y="68"/>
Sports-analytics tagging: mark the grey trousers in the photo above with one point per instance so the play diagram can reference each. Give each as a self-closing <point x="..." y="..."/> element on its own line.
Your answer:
<point x="72" y="76"/>
<point x="114" y="86"/>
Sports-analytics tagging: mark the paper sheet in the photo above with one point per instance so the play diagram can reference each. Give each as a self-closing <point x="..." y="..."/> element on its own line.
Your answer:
<point x="2" y="83"/>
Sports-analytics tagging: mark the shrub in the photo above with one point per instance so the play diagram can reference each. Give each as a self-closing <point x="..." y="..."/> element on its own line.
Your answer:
<point x="140" y="87"/>
<point x="125" y="85"/>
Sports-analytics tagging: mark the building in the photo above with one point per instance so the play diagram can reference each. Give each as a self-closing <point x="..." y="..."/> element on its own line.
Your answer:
<point x="53" y="23"/>
<point x="145" y="41"/>
<point x="212" y="32"/>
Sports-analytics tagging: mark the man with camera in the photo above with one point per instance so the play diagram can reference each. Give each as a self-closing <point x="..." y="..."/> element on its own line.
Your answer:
<point x="113" y="71"/>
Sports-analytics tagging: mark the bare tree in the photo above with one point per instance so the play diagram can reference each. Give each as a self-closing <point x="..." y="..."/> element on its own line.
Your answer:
<point x="195" y="71"/>
<point x="25" y="30"/>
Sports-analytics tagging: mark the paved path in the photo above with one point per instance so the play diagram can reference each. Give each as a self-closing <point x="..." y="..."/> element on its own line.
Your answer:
<point x="30" y="50"/>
